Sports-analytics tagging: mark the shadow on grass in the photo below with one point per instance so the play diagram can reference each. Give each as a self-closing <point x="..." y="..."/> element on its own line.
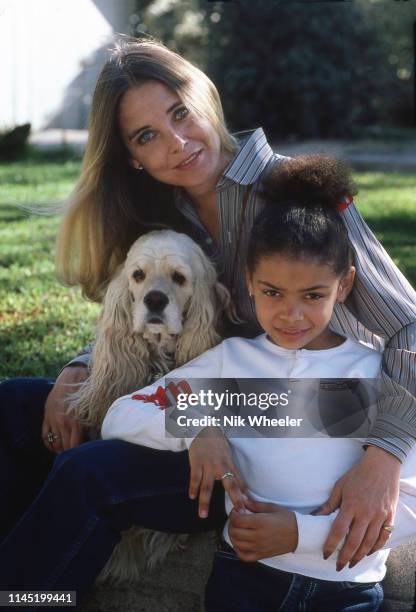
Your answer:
<point x="395" y="226"/>
<point x="394" y="223"/>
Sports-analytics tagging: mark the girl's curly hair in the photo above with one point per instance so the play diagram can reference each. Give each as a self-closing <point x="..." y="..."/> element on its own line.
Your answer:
<point x="309" y="180"/>
<point x="300" y="218"/>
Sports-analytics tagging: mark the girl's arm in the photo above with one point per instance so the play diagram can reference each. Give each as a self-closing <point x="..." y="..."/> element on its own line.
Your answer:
<point x="139" y="417"/>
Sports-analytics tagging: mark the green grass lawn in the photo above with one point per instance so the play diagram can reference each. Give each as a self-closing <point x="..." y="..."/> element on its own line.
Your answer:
<point x="43" y="324"/>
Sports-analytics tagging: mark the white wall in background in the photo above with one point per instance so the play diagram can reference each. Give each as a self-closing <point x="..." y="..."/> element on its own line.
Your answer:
<point x="50" y="54"/>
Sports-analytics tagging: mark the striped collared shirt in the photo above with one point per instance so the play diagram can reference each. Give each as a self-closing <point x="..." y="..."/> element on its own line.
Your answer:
<point x="381" y="309"/>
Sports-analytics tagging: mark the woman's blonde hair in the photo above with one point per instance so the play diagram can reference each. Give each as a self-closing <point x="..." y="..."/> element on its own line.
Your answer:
<point x="112" y="204"/>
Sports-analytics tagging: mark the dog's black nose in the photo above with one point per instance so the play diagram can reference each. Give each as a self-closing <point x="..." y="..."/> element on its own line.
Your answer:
<point x="156" y="301"/>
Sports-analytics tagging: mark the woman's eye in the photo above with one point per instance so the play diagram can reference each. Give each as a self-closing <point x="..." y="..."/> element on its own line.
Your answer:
<point x="139" y="275"/>
<point x="178" y="278"/>
<point x="145" y="137"/>
<point x="270" y="292"/>
<point x="181" y="113"/>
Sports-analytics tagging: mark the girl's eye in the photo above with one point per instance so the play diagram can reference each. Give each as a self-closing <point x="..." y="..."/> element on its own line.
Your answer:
<point x="181" y="113"/>
<point x="313" y="296"/>
<point x="145" y="137"/>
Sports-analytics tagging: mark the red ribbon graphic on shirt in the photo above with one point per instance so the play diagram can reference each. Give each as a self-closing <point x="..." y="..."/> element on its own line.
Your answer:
<point x="164" y="398"/>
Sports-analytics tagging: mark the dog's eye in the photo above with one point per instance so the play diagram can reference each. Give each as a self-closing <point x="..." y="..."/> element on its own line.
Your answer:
<point x="138" y="275"/>
<point x="178" y="278"/>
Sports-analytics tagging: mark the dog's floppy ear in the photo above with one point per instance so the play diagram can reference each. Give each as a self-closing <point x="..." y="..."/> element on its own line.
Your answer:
<point x="116" y="316"/>
<point x="200" y="326"/>
<point x="120" y="358"/>
<point x="225" y="308"/>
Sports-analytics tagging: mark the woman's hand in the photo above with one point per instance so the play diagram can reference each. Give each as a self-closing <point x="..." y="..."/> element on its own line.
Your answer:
<point x="271" y="530"/>
<point x="70" y="433"/>
<point x="210" y="458"/>
<point x="368" y="495"/>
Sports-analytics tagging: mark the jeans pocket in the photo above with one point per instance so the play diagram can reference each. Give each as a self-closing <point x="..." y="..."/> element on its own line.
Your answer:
<point x="369" y="592"/>
<point x="352" y="585"/>
<point x="221" y="554"/>
<point x="225" y="551"/>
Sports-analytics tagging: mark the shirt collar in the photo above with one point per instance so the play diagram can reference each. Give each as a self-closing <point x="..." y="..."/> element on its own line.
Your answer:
<point x="252" y="156"/>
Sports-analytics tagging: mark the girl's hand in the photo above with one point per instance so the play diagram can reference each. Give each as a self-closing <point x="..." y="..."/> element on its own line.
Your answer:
<point x="70" y="432"/>
<point x="271" y="530"/>
<point x="210" y="458"/>
<point x="368" y="494"/>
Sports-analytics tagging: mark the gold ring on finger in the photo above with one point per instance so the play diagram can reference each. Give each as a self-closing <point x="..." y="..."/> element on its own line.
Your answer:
<point x="388" y="528"/>
<point x="51" y="437"/>
<point x="227" y="475"/>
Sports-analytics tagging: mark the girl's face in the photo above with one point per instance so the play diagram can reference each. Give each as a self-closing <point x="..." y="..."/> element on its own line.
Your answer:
<point x="171" y="143"/>
<point x="294" y="300"/>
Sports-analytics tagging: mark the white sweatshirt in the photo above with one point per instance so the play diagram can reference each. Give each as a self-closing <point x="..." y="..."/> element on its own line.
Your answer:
<point x="297" y="473"/>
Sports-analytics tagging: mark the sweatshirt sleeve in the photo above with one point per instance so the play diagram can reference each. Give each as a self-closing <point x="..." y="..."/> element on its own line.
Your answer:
<point x="140" y="416"/>
<point x="313" y="530"/>
<point x="385" y="303"/>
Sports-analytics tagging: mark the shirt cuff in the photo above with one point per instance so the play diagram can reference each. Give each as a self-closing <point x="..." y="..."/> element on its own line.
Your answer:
<point x="188" y="442"/>
<point x="392" y="435"/>
<point x="312" y="532"/>
<point x="79" y="360"/>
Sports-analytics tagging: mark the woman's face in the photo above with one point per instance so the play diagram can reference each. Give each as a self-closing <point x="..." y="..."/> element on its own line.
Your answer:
<point x="171" y="143"/>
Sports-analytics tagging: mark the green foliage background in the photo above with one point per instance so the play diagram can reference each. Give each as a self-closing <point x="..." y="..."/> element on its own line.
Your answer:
<point x="298" y="68"/>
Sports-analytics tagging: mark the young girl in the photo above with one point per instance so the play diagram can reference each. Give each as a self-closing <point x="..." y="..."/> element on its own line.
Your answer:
<point x="299" y="269"/>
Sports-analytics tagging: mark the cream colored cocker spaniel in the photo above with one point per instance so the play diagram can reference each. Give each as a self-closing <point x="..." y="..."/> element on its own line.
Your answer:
<point x="161" y="309"/>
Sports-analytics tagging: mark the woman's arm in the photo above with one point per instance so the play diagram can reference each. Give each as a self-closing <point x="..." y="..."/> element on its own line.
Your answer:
<point x="56" y="420"/>
<point x="383" y="302"/>
<point x="313" y="530"/>
<point x="368" y="494"/>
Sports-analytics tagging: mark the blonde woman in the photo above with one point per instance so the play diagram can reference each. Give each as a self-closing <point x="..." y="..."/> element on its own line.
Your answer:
<point x="159" y="154"/>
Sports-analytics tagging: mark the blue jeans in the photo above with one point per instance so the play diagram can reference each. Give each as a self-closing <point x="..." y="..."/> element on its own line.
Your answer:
<point x="237" y="586"/>
<point x="92" y="492"/>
